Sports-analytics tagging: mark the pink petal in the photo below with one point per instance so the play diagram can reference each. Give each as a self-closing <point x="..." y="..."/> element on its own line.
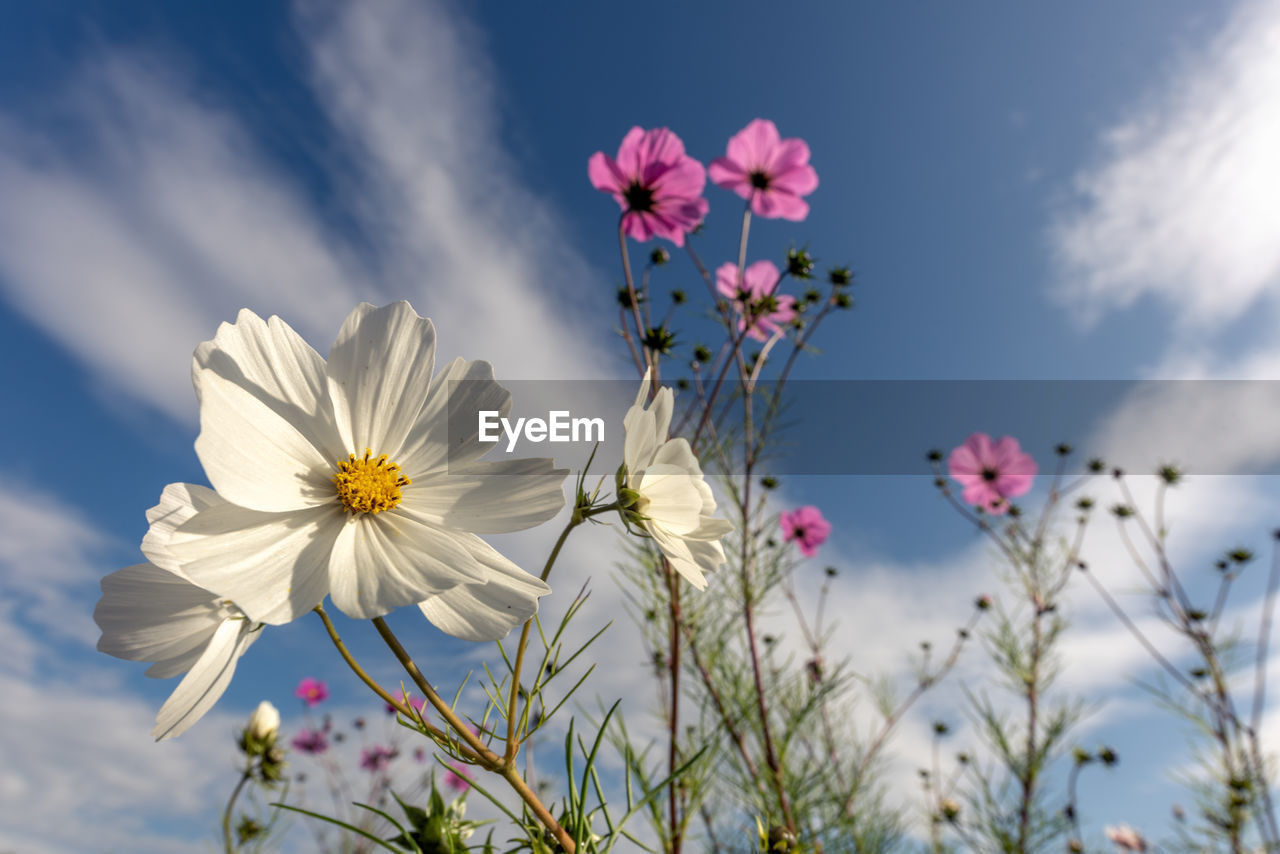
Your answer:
<point x="724" y="172"/>
<point x="684" y="179"/>
<point x="605" y="174"/>
<point x="660" y="145"/>
<point x="963" y="463"/>
<point x="752" y="146"/>
<point x="774" y="205"/>
<point x="787" y="155"/>
<point x="727" y="280"/>
<point x="760" y="278"/>
<point x="800" y="181"/>
<point x="983" y="450"/>
<point x="630" y="153"/>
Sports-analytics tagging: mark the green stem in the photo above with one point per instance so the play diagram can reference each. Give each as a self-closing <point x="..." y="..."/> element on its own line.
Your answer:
<point x="513" y="744"/>
<point x="226" y="815"/>
<point x="487" y="758"/>
<point x="398" y="704"/>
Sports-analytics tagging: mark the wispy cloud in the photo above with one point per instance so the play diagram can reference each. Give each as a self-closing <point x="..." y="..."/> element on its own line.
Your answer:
<point x="1180" y="204"/>
<point x="131" y="238"/>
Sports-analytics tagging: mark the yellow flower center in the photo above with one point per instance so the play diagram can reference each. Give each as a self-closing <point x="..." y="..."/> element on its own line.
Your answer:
<point x="367" y="484"/>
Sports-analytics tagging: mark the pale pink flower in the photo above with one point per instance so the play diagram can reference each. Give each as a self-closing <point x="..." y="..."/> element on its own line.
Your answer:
<point x="312" y="691"/>
<point x="376" y="758"/>
<point x="310" y="741"/>
<point x="761" y="309"/>
<point x="1126" y="838"/>
<point x="657" y="185"/>
<point x="458" y="777"/>
<point x="807" y="527"/>
<point x="773" y="173"/>
<point x="991" y="472"/>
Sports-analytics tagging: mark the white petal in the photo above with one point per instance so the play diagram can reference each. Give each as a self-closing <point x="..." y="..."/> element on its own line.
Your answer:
<point x="680" y="555"/>
<point x="206" y="682"/>
<point x="646" y="429"/>
<point x="447" y="432"/>
<point x="379" y="372"/>
<point x="710" y="529"/>
<point x="275" y="365"/>
<point x="178" y="503"/>
<point x="253" y="456"/>
<point x="674" y="500"/>
<point x="389" y="560"/>
<point x="490" y="498"/>
<point x="487" y="612"/>
<point x="707" y="554"/>
<point x="274" y="566"/>
<point x="677" y="452"/>
<point x="166" y="668"/>
<point x="149" y="614"/>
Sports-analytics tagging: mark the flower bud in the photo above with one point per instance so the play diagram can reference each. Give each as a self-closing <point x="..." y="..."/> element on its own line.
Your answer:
<point x="799" y="263"/>
<point x="840" y="276"/>
<point x="264" y="724"/>
<point x="659" y="256"/>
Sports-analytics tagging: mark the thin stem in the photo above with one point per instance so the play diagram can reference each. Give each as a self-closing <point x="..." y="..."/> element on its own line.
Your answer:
<point x="631" y="292"/>
<point x="513" y="744"/>
<point x="397" y="703"/>
<point x="673" y="753"/>
<point x="226" y="815"/>
<point x="486" y="757"/>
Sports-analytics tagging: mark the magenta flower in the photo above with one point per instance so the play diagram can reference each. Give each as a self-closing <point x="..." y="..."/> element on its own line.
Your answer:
<point x="458" y="777"/>
<point x="311" y="741"/>
<point x="657" y="185"/>
<point x="807" y="527"/>
<point x="991" y="472"/>
<point x="773" y="173"/>
<point x="376" y="758"/>
<point x="755" y="298"/>
<point x="312" y="691"/>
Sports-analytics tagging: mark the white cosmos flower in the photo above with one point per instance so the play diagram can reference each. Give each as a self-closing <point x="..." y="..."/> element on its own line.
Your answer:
<point x="264" y="723"/>
<point x="675" y="502"/>
<point x="358" y="477"/>
<point x="152" y="612"/>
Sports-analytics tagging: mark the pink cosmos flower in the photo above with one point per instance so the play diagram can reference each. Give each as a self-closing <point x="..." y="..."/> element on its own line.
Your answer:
<point x="991" y="472"/>
<point x="754" y="298"/>
<point x="807" y="527"/>
<point x="312" y="691"/>
<point x="657" y="185"/>
<point x="311" y="741"/>
<point x="773" y="173"/>
<point x="458" y="777"/>
<point x="376" y="758"/>
<point x="1126" y="838"/>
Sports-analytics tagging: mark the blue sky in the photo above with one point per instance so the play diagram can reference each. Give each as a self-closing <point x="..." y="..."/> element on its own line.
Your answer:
<point x="1024" y="192"/>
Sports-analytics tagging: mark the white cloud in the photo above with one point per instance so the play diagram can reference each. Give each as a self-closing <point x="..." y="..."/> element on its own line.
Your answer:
<point x="1180" y="205"/>
<point x="131" y="239"/>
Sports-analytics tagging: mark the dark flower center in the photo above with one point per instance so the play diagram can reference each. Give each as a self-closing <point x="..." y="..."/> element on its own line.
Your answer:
<point x="759" y="180"/>
<point x="798" y="532"/>
<point x="989" y="474"/>
<point x="639" y="199"/>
